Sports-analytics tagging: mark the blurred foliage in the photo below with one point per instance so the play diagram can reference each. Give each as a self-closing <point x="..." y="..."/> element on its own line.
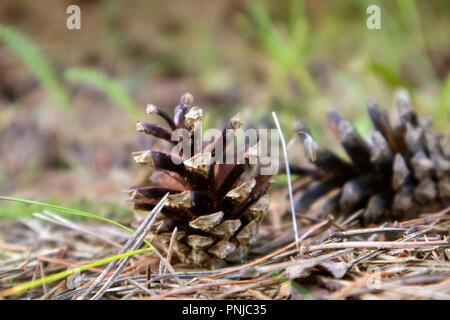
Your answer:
<point x="294" y="57"/>
<point x="289" y="50"/>
<point x="36" y="61"/>
<point x="317" y="54"/>
<point x="384" y="57"/>
<point x="442" y="115"/>
<point x="13" y="210"/>
<point x="301" y="290"/>
<point x="111" y="87"/>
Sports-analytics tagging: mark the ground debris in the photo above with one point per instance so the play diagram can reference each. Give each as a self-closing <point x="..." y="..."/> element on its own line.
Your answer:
<point x="335" y="259"/>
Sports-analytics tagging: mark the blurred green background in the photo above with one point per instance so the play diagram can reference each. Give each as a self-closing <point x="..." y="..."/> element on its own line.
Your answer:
<point x="69" y="99"/>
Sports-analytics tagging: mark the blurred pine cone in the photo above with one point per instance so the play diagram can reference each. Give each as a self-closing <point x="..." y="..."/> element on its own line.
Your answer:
<point x="396" y="173"/>
<point x="217" y="208"/>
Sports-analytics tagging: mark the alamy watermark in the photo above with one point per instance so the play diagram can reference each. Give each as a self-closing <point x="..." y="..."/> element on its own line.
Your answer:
<point x="374" y="20"/>
<point x="73" y="21"/>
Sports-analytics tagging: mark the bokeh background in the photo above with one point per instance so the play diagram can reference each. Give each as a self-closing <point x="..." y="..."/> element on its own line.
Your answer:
<point x="69" y="99"/>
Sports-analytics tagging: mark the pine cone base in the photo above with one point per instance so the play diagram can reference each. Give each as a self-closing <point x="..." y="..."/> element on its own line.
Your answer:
<point x="212" y="240"/>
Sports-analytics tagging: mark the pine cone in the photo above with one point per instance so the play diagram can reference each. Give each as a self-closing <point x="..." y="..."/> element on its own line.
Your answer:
<point x="216" y="207"/>
<point x="395" y="173"/>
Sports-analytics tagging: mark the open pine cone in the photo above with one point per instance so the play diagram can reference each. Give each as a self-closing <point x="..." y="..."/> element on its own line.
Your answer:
<point x="394" y="174"/>
<point x="216" y="207"/>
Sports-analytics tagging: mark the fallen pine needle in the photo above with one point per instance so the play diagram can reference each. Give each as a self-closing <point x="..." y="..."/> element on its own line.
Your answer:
<point x="66" y="273"/>
<point x="377" y="245"/>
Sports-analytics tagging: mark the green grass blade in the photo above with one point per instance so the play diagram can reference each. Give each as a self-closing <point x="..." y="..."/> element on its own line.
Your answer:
<point x="266" y="32"/>
<point x="29" y="52"/>
<point x="65" y="210"/>
<point x="443" y="109"/>
<point x="108" y="85"/>
<point x="32" y="284"/>
<point x="70" y="211"/>
<point x="301" y="290"/>
<point x="387" y="74"/>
